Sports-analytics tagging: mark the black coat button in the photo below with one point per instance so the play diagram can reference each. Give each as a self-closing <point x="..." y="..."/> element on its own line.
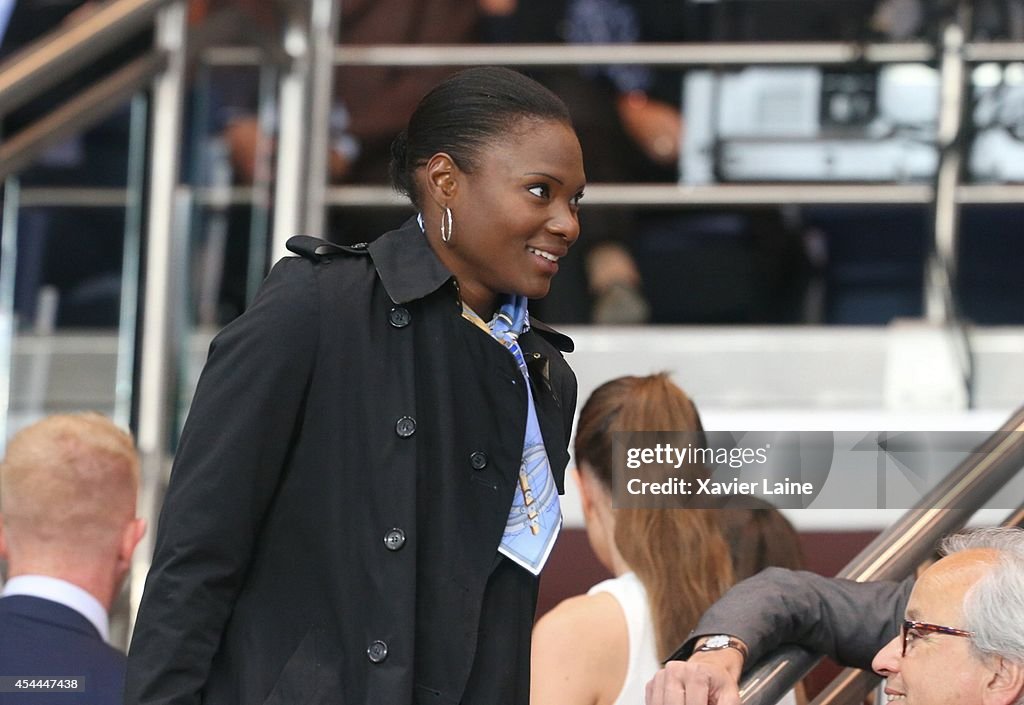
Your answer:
<point x="399" y="317"/>
<point x="478" y="460"/>
<point x="394" y="539"/>
<point x="377" y="651"/>
<point x="405" y="427"/>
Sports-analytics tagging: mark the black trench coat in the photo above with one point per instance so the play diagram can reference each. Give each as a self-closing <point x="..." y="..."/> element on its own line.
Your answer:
<point x="343" y="480"/>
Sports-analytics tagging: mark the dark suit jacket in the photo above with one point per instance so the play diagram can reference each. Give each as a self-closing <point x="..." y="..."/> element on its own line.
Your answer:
<point x="331" y="527"/>
<point x="48" y="640"/>
<point x="843" y="619"/>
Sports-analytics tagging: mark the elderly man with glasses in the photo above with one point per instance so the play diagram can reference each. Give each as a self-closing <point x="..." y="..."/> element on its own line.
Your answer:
<point x="959" y="638"/>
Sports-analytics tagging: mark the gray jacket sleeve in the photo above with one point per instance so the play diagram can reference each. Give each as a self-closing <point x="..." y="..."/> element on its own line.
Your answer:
<point x="843" y="619"/>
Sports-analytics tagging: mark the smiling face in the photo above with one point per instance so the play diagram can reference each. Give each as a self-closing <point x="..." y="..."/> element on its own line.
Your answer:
<point x="515" y="214"/>
<point x="939" y="669"/>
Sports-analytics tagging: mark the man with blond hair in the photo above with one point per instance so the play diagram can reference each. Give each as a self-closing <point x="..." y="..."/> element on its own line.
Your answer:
<point x="68" y="487"/>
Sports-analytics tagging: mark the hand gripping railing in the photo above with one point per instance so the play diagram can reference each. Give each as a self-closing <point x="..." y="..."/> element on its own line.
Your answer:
<point x="898" y="550"/>
<point x="852" y="684"/>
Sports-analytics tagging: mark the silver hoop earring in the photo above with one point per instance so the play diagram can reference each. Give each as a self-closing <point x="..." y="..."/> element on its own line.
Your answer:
<point x="447" y="225"/>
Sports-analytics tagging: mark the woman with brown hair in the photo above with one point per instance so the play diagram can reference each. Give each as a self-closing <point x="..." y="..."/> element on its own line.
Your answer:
<point x="759" y="536"/>
<point x="669" y="565"/>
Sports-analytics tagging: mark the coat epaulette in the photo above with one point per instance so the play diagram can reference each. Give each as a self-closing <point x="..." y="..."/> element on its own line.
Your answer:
<point x="559" y="340"/>
<point x="317" y="250"/>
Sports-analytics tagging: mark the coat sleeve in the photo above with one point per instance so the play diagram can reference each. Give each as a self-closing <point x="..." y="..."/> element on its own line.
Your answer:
<point x="843" y="619"/>
<point x="233" y="451"/>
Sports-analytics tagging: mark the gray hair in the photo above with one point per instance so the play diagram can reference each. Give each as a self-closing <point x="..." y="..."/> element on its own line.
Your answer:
<point x="994" y="606"/>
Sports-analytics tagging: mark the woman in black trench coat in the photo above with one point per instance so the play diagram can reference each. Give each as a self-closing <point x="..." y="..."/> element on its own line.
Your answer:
<point x="337" y="526"/>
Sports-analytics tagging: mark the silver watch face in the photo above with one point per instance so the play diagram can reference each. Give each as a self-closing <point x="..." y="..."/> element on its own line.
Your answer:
<point x="718" y="641"/>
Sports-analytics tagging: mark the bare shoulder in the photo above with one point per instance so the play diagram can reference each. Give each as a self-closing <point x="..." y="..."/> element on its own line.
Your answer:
<point x="583" y="613"/>
<point x="580" y="652"/>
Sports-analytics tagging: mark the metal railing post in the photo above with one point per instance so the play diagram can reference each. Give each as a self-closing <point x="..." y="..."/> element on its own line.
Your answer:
<point x="291" y="137"/>
<point x="940" y="268"/>
<point x="131" y="262"/>
<point x="302" y="151"/>
<point x="156" y="390"/>
<point x="8" y="267"/>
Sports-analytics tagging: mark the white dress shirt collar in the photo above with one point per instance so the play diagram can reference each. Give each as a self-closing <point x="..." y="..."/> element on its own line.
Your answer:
<point x="64" y="593"/>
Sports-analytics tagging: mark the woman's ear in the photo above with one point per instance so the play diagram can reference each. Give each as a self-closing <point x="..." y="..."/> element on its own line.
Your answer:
<point x="440" y="177"/>
<point x="585" y="484"/>
<point x="578" y="479"/>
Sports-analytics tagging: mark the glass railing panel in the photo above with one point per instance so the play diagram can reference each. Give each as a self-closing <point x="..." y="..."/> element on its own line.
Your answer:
<point x="69" y="272"/>
<point x="228" y="177"/>
<point x="8" y="324"/>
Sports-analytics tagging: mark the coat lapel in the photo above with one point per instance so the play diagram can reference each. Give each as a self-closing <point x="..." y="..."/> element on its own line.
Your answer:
<point x="549" y="412"/>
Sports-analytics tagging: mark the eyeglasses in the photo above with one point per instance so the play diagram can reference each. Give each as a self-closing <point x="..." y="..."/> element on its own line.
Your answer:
<point x="914" y="630"/>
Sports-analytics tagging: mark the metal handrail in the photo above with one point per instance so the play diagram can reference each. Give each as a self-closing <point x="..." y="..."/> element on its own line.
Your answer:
<point x="55" y="55"/>
<point x="678" y="54"/>
<point x="940" y="304"/>
<point x="852" y="684"/>
<point x="683" y="196"/>
<point x="81" y="112"/>
<point x="680" y="195"/>
<point x="898" y="550"/>
<point x="691" y="54"/>
<point x="844" y="687"/>
<point x="662" y="54"/>
<point x="654" y="195"/>
<point x="91" y="105"/>
<point x="981" y="52"/>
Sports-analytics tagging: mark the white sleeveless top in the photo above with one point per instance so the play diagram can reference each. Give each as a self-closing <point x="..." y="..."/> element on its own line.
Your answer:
<point x="629" y="592"/>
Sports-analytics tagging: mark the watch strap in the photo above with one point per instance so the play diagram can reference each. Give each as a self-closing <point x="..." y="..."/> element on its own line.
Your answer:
<point x="717" y="642"/>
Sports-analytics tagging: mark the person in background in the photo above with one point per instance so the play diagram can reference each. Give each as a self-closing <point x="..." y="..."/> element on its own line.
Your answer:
<point x="957" y="629"/>
<point x="366" y="486"/>
<point x="741" y="266"/>
<point x="604" y="646"/>
<point x="759" y="536"/>
<point x="68" y="487"/>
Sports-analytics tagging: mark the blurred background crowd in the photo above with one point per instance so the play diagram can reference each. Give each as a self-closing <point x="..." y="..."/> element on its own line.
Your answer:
<point x="786" y="263"/>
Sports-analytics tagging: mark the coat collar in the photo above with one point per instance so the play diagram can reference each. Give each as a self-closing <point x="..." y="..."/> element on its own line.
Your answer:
<point x="559" y="340"/>
<point x="406" y="265"/>
<point x="409" y="270"/>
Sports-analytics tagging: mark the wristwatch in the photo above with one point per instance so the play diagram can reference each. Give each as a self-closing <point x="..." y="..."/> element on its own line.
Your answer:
<point x="717" y="642"/>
